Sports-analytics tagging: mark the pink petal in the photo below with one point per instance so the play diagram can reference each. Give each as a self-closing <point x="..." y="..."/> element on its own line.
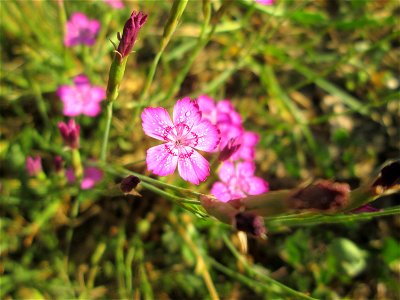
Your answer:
<point x="250" y="138"/>
<point x="97" y="94"/>
<point x="91" y="109"/>
<point x="155" y="121"/>
<point x="266" y="2"/>
<point x="79" y="20"/>
<point x="221" y="192"/>
<point x="91" y="176"/>
<point x="162" y="159"/>
<point x="81" y="79"/>
<point x="207" y="136"/>
<point x="72" y="104"/>
<point x="207" y="108"/>
<point x="192" y="166"/>
<point x="257" y="186"/>
<point x="94" y="27"/>
<point x="226" y="171"/>
<point x="245" y="169"/>
<point x="247" y="150"/>
<point x="117" y="4"/>
<point x="228" y="132"/>
<point x="186" y="112"/>
<point x="227" y="113"/>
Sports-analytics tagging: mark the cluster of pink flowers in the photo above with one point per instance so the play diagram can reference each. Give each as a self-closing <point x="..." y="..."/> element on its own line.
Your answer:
<point x="210" y="127"/>
<point x="237" y="146"/>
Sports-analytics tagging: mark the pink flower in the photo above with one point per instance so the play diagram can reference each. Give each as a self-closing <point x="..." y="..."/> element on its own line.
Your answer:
<point x="238" y="181"/>
<point x="81" y="98"/>
<point x="91" y="176"/>
<point x="81" y="30"/>
<point x="187" y="132"/>
<point x="266" y="2"/>
<point x="70" y="133"/>
<point x="33" y="165"/>
<point x="229" y="123"/>
<point x="248" y="141"/>
<point x="117" y="4"/>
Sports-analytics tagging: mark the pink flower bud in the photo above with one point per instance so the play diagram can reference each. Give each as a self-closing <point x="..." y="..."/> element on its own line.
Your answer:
<point x="230" y="148"/>
<point x="33" y="165"/>
<point x="323" y="195"/>
<point x="130" y="33"/>
<point x="70" y="133"/>
<point x="58" y="163"/>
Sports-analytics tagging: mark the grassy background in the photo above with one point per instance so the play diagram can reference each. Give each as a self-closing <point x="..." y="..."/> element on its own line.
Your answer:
<point x="318" y="80"/>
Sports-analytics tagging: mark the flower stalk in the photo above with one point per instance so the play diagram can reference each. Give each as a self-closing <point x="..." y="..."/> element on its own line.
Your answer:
<point x="117" y="69"/>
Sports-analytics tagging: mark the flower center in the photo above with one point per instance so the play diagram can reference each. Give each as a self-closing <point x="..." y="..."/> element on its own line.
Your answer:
<point x="180" y="135"/>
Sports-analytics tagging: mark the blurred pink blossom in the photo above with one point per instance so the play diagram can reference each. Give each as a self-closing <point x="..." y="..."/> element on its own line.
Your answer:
<point x="248" y="141"/>
<point x="187" y="132"/>
<point x="238" y="181"/>
<point x="81" y="30"/>
<point x="81" y="98"/>
<point x="91" y="176"/>
<point x="70" y="133"/>
<point x="229" y="122"/>
<point x="33" y="165"/>
<point x="266" y="2"/>
<point x="117" y="4"/>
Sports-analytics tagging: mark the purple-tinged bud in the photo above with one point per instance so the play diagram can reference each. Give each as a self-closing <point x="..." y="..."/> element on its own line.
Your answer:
<point x="58" y="163"/>
<point x="323" y="195"/>
<point x="365" y="208"/>
<point x="130" y="33"/>
<point x="33" y="165"/>
<point x="70" y="133"/>
<point x="250" y="223"/>
<point x="129" y="183"/>
<point x="231" y="147"/>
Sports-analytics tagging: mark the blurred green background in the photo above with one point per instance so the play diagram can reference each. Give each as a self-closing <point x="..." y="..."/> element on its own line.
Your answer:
<point x="318" y="80"/>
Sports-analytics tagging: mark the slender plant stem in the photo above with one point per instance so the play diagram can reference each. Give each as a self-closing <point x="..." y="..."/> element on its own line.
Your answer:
<point x="106" y="131"/>
<point x="179" y="201"/>
<point x="312" y="220"/>
<point x="121" y="170"/>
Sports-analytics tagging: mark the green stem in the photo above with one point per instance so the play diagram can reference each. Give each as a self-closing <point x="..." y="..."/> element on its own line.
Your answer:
<point x="77" y="164"/>
<point x="177" y="200"/>
<point x="119" y="170"/>
<point x="103" y="153"/>
<point x="324" y="219"/>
